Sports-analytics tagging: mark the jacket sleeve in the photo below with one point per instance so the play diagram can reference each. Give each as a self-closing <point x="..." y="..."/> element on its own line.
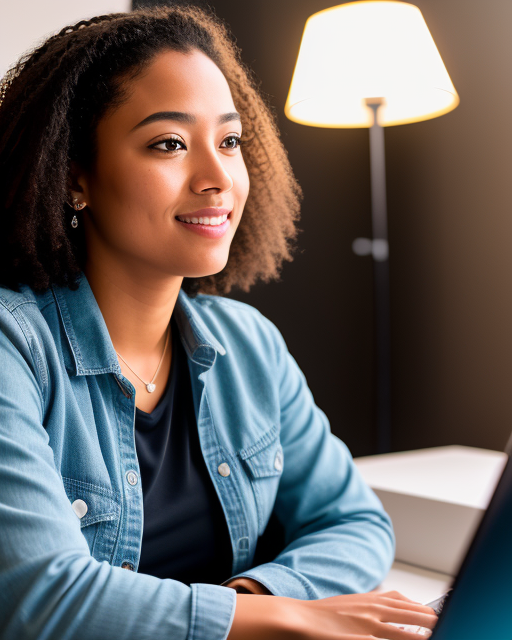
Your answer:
<point x="338" y="538"/>
<point x="51" y="588"/>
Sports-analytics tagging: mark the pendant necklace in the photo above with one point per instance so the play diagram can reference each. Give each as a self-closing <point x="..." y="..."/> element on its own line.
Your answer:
<point x="150" y="387"/>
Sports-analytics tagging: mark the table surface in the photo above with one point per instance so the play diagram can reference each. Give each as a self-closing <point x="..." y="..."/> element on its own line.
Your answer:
<point x="420" y="585"/>
<point x="453" y="474"/>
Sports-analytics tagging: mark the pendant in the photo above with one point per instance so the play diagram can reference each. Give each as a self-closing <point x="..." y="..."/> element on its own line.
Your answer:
<point x="150" y="387"/>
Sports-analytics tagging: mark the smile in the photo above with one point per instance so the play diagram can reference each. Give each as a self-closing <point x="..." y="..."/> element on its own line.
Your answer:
<point x="207" y="226"/>
<point x="206" y="220"/>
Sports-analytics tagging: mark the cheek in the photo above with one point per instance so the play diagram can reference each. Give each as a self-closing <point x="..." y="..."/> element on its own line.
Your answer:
<point x="133" y="181"/>
<point x="241" y="183"/>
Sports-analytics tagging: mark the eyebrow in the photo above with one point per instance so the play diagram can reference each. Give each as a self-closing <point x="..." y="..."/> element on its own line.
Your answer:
<point x="187" y="118"/>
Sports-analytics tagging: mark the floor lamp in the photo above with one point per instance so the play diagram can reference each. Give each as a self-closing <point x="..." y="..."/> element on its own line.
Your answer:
<point x="371" y="63"/>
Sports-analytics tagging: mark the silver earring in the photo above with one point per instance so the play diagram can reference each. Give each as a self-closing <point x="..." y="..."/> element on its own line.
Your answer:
<point x="78" y="206"/>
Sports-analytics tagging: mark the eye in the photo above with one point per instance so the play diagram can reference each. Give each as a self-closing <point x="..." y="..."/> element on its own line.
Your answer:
<point x="169" y="143"/>
<point x="172" y="145"/>
<point x="237" y="140"/>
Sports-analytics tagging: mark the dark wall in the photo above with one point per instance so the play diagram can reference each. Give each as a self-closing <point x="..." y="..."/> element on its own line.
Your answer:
<point x="450" y="230"/>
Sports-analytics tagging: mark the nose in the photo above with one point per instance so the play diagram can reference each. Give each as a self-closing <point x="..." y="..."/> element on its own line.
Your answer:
<point x="210" y="174"/>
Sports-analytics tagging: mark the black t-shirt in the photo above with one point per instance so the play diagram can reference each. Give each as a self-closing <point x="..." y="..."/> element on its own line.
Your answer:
<point x="185" y="532"/>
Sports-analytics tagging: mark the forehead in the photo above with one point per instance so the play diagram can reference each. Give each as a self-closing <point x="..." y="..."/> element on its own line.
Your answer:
<point x="175" y="81"/>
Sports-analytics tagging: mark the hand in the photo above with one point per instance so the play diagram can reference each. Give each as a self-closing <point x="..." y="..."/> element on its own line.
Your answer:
<point x="248" y="585"/>
<point x="364" y="616"/>
<point x="348" y="617"/>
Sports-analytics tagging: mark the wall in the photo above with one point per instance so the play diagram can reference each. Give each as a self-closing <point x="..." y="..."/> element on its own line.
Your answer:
<point x="25" y="23"/>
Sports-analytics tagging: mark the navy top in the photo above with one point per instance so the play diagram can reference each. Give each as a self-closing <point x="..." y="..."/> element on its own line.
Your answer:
<point x="185" y="533"/>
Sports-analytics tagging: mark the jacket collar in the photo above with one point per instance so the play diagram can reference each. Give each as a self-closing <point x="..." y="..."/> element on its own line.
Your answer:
<point x="90" y="348"/>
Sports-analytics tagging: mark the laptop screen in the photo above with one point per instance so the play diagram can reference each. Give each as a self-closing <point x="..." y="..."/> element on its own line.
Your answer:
<point x="480" y="605"/>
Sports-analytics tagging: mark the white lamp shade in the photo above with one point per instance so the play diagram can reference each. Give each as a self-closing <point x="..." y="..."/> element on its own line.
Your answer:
<point x="368" y="49"/>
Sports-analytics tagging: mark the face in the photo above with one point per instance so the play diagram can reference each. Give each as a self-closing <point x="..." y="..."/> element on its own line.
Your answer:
<point x="169" y="168"/>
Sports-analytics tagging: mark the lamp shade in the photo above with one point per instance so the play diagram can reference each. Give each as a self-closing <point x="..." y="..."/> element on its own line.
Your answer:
<point x="368" y="49"/>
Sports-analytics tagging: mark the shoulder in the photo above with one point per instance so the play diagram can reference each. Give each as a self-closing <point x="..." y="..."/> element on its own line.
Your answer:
<point x="227" y="308"/>
<point x="23" y="327"/>
<point x="10" y="299"/>
<point x="19" y="308"/>
<point x="24" y="308"/>
<point x="234" y="322"/>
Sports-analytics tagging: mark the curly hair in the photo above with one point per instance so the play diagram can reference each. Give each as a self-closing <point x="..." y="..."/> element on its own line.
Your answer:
<point x="51" y="101"/>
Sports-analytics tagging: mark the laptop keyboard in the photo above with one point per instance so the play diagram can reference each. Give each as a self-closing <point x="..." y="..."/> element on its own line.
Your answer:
<point x="438" y="604"/>
<point x="422" y="631"/>
<point x="412" y="628"/>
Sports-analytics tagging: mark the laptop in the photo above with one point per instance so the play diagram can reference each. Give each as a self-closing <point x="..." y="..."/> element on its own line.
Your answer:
<point x="479" y="604"/>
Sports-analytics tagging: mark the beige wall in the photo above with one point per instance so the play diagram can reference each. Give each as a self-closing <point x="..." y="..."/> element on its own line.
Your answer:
<point x="24" y="23"/>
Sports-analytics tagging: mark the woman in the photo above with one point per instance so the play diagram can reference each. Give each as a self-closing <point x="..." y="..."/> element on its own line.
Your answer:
<point x="151" y="436"/>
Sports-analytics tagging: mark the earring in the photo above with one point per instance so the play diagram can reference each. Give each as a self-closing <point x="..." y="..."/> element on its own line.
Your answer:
<point x="78" y="206"/>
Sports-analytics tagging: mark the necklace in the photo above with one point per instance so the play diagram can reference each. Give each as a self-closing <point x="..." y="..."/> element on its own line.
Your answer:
<point x="150" y="387"/>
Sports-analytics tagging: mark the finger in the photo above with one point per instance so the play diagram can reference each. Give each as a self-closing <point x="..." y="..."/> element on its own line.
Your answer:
<point x="396" y="595"/>
<point x="404" y="616"/>
<point x="402" y="605"/>
<point x="389" y="632"/>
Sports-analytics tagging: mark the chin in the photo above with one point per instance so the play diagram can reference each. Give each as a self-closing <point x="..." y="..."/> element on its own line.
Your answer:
<point x="204" y="271"/>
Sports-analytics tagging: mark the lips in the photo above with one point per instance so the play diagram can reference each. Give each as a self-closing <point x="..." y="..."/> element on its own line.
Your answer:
<point x="211" y="222"/>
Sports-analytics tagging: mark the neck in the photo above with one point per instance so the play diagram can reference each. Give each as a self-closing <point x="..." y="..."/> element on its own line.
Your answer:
<point x="137" y="308"/>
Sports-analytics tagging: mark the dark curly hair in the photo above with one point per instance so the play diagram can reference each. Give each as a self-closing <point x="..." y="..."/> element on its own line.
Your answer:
<point x="53" y="99"/>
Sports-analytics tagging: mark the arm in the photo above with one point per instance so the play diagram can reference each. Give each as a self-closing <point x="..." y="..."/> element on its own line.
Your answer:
<point x="338" y="539"/>
<point x="50" y="585"/>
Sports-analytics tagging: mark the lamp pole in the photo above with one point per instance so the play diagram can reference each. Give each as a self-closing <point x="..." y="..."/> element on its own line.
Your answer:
<point x="380" y="255"/>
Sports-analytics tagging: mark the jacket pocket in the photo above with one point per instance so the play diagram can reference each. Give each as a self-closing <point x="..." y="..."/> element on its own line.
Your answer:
<point x="98" y="508"/>
<point x="264" y="463"/>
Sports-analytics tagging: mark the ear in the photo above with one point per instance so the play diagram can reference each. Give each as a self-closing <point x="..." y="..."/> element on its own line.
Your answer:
<point x="77" y="181"/>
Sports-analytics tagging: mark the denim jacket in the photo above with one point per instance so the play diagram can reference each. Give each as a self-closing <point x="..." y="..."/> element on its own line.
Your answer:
<point x="71" y="508"/>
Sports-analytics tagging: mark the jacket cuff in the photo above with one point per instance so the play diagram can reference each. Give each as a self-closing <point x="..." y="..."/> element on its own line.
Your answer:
<point x="213" y="611"/>
<point x="280" y="580"/>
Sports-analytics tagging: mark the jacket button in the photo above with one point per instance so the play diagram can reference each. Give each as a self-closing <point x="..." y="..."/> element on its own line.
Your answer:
<point x="127" y="565"/>
<point x="80" y="508"/>
<point x="278" y="462"/>
<point x="224" y="469"/>
<point x="243" y="543"/>
<point x="132" y="478"/>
